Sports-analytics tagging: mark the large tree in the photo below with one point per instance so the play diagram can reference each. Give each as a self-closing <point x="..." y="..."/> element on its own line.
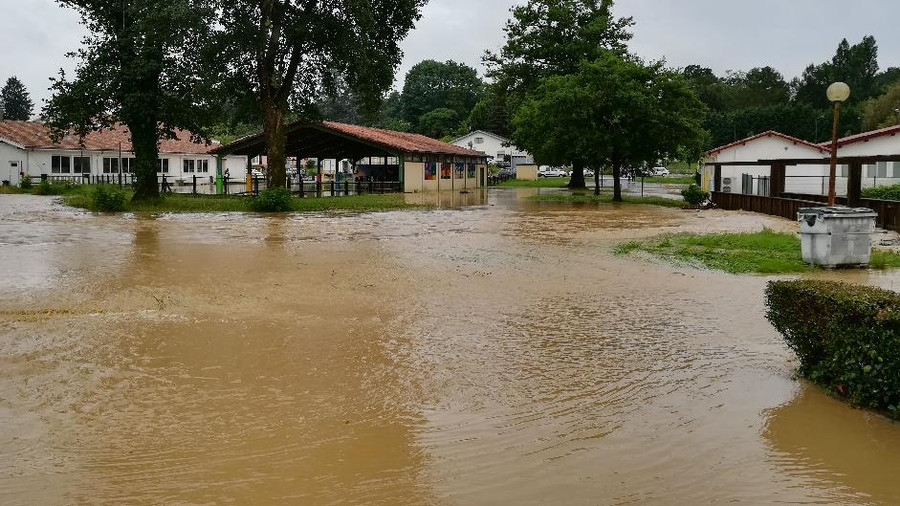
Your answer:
<point x="287" y="53"/>
<point x="615" y="111"/>
<point x="883" y="111"/>
<point x="15" y="102"/>
<point x="856" y="65"/>
<point x="137" y="67"/>
<point x="548" y="38"/>
<point x="431" y="85"/>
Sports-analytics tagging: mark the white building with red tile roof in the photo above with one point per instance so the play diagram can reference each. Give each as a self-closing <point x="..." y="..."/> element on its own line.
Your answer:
<point x="766" y="146"/>
<point x="26" y="148"/>
<point x="804" y="179"/>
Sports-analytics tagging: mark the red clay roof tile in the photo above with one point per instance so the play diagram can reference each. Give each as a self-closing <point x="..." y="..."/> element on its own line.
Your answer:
<point x="33" y="135"/>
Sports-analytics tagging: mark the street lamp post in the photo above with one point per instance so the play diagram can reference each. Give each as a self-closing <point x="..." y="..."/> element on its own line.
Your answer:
<point x="838" y="93"/>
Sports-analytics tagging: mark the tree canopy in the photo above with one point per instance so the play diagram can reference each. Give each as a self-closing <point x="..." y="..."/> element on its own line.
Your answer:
<point x="286" y="55"/>
<point x="15" y="102"/>
<point x="883" y="111"/>
<point x="431" y="85"/>
<point x="547" y="38"/>
<point x="742" y="104"/>
<point x="615" y="111"/>
<point x="137" y="67"/>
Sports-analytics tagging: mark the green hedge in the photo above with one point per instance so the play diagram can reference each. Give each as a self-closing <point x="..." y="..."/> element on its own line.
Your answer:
<point x="882" y="192"/>
<point x="847" y="338"/>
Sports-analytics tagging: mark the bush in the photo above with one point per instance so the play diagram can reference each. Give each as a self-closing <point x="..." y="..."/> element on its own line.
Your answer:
<point x="106" y="198"/>
<point x="847" y="338"/>
<point x="693" y="195"/>
<point x="25" y="183"/>
<point x="273" y="200"/>
<point x="882" y="192"/>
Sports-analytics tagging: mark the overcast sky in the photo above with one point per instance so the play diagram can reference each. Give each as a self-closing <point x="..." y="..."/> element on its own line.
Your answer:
<point x="720" y="34"/>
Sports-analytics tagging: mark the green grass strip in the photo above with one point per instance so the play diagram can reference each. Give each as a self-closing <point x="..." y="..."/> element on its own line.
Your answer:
<point x="765" y="252"/>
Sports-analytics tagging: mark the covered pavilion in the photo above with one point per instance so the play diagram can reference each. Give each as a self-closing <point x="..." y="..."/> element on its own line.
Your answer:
<point x="417" y="162"/>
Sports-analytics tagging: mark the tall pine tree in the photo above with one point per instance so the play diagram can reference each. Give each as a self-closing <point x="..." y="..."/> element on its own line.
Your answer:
<point x="17" y="104"/>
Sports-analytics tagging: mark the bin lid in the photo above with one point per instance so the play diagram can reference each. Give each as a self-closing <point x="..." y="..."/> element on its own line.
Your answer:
<point x="836" y="211"/>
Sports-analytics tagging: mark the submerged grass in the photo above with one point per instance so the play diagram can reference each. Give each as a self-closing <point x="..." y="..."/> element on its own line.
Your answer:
<point x="186" y="203"/>
<point x="765" y="252"/>
<point x="542" y="182"/>
<point x="605" y="198"/>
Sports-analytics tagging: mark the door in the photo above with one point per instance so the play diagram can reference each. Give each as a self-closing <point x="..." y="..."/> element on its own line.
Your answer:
<point x="13" y="173"/>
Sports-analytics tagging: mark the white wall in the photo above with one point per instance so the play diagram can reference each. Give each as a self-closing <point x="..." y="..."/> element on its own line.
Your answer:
<point x="11" y="154"/>
<point x="766" y="148"/>
<point x="801" y="179"/>
<point x="39" y="162"/>
<point x="492" y="146"/>
<point x="886" y="145"/>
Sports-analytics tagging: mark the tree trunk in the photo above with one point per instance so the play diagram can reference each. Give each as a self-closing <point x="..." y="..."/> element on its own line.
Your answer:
<point x="145" y="143"/>
<point x="577" y="180"/>
<point x="617" y="181"/>
<point x="597" y="177"/>
<point x="273" y="130"/>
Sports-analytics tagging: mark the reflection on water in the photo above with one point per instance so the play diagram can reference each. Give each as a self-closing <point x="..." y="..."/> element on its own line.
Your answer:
<point x="489" y="351"/>
<point x="831" y="447"/>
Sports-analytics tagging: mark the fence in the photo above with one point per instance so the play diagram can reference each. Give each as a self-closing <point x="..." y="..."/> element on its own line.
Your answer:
<point x="235" y="186"/>
<point x="789" y="204"/>
<point x="499" y="178"/>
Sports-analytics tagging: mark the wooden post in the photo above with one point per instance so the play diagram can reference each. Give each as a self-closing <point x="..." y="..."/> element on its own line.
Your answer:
<point x="318" y="177"/>
<point x="778" y="174"/>
<point x="854" y="184"/>
<point x="717" y="179"/>
<point x="834" y="152"/>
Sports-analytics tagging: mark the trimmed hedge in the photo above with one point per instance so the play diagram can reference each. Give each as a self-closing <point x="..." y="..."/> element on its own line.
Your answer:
<point x="847" y="338"/>
<point x="882" y="192"/>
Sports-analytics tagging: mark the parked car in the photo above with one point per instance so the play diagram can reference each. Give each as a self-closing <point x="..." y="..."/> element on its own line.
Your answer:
<point x="659" y="171"/>
<point x="547" y="171"/>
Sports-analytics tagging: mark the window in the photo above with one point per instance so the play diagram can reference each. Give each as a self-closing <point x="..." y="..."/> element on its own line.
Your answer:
<point x="841" y="171"/>
<point x="203" y="166"/>
<point x="882" y="169"/>
<point x="479" y="140"/>
<point x="127" y="165"/>
<point x="60" y="164"/>
<point x="110" y="165"/>
<point x="81" y="164"/>
<point x="188" y="166"/>
<point x="896" y="169"/>
<point x="162" y="165"/>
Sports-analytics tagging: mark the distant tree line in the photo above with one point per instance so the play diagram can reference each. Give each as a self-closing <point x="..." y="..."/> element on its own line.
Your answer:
<point x="742" y="104"/>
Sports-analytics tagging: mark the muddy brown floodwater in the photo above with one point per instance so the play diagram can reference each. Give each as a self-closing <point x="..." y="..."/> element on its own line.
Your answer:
<point x="492" y="351"/>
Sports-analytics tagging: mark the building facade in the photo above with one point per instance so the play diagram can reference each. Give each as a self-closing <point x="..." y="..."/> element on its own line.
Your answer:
<point x="27" y="150"/>
<point x="495" y="146"/>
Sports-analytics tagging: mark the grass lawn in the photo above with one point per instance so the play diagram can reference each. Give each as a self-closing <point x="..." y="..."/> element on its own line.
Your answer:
<point x="606" y="198"/>
<point x="765" y="252"/>
<point x="541" y="182"/>
<point x="186" y="203"/>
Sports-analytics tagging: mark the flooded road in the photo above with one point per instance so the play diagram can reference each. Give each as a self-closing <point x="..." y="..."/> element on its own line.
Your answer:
<point x="490" y="351"/>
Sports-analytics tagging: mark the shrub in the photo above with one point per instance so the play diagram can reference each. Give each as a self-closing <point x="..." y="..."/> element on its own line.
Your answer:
<point x="693" y="195"/>
<point x="882" y="192"/>
<point x="25" y="183"/>
<point x="847" y="338"/>
<point x="106" y="198"/>
<point x="273" y="200"/>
